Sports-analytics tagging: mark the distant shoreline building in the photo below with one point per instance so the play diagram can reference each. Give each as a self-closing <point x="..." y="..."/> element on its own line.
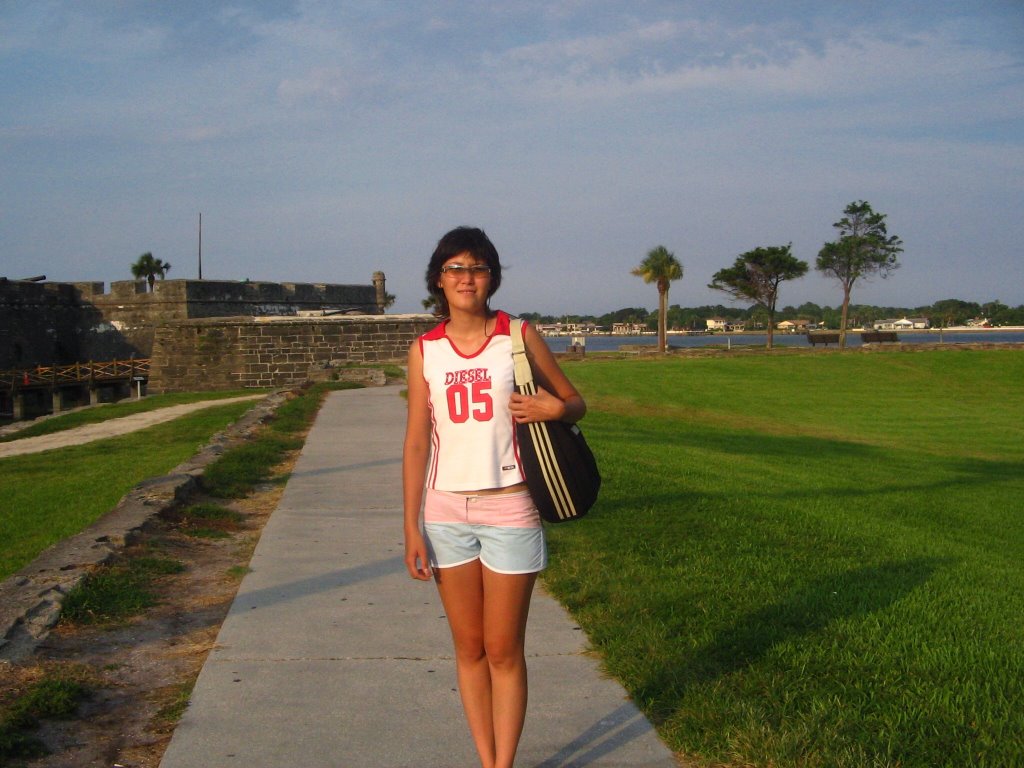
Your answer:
<point x="902" y="324"/>
<point x="629" y="329"/>
<point x="723" y="324"/>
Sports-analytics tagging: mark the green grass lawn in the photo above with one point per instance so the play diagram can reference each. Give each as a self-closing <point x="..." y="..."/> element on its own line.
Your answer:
<point x="45" y="497"/>
<point x="809" y="560"/>
<point x="48" y="496"/>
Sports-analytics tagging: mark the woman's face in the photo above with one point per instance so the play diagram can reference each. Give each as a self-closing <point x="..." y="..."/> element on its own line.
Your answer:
<point x="466" y="282"/>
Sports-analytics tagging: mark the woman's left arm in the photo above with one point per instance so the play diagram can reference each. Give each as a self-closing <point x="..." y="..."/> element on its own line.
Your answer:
<point x="556" y="399"/>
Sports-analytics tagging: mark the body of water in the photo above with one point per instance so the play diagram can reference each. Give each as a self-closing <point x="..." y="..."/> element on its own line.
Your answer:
<point x="607" y="343"/>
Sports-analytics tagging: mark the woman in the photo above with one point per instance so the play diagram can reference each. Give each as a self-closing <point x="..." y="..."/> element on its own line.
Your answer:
<point x="481" y="537"/>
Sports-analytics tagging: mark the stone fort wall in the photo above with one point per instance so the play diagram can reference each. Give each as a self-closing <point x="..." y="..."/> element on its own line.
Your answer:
<point x="242" y="352"/>
<point x="49" y="323"/>
<point x="41" y="323"/>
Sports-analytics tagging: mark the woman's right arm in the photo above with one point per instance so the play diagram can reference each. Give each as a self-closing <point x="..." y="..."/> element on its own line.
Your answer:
<point x="414" y="466"/>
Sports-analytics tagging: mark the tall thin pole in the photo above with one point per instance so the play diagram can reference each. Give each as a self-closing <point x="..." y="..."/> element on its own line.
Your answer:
<point x="200" y="246"/>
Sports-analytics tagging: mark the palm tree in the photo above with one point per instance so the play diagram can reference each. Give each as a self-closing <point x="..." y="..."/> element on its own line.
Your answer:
<point x="431" y="305"/>
<point x="660" y="267"/>
<point x="148" y="267"/>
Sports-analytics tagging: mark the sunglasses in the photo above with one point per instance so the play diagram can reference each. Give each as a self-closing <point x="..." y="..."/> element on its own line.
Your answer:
<point x="460" y="270"/>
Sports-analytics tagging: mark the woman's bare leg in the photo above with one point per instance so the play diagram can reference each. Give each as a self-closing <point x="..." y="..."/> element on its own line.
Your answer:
<point x="506" y="607"/>
<point x="462" y="594"/>
<point x="487" y="613"/>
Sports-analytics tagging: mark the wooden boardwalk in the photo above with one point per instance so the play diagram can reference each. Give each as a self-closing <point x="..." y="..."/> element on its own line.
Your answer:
<point x="76" y="373"/>
<point x="24" y="391"/>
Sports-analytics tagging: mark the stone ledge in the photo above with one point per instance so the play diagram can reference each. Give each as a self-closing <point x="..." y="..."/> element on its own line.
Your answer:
<point x="31" y="599"/>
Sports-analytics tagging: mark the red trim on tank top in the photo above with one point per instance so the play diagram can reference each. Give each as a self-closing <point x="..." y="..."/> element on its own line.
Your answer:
<point x="439" y="332"/>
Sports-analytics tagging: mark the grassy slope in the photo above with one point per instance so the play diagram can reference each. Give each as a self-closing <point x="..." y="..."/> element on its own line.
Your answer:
<point x="51" y="495"/>
<point x="805" y="560"/>
<point x="95" y="414"/>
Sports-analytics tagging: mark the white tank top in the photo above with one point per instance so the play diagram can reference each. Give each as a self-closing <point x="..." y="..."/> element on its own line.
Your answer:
<point x="473" y="442"/>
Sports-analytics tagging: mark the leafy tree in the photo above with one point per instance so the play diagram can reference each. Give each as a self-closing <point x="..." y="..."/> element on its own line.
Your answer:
<point x="148" y="267"/>
<point x="830" y="318"/>
<point x="863" y="315"/>
<point x="864" y="248"/>
<point x="576" y="318"/>
<point x="1008" y="316"/>
<point x="685" y="318"/>
<point x="810" y="310"/>
<point x="430" y="305"/>
<point x="953" y="312"/>
<point x="677" y="318"/>
<point x="759" y="318"/>
<point x="625" y="315"/>
<point x="660" y="267"/>
<point x="756" y="275"/>
<point x="994" y="311"/>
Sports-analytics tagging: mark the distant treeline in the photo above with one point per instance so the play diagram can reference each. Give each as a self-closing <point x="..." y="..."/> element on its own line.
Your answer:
<point x="941" y="314"/>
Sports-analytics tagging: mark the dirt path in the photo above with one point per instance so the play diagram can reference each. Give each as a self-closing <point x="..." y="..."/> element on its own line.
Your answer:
<point x="143" y="669"/>
<point x="110" y="428"/>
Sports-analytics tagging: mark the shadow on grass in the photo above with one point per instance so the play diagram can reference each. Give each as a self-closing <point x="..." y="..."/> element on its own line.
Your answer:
<point x="719" y="440"/>
<point x="750" y="637"/>
<point x="848" y="468"/>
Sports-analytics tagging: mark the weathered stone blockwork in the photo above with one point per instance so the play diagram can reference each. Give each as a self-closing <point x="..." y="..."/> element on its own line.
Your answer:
<point x="240" y="352"/>
<point x="42" y="323"/>
<point x="62" y="323"/>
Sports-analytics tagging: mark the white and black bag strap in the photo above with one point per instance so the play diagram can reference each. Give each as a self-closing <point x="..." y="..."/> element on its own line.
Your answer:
<point x="524" y="374"/>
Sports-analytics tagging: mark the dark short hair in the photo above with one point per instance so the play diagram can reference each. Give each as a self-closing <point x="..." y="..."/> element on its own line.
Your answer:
<point x="469" y="240"/>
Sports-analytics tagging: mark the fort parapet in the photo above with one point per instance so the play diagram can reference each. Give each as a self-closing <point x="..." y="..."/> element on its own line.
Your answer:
<point x="241" y="352"/>
<point x="49" y="323"/>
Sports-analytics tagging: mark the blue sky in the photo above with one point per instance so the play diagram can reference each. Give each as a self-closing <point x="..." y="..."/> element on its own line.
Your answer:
<point x="322" y="141"/>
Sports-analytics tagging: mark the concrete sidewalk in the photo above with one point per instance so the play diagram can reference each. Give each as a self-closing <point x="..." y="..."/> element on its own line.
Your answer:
<point x="331" y="656"/>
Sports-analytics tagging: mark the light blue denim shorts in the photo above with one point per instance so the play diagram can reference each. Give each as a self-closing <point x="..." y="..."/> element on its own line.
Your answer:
<point x="454" y="535"/>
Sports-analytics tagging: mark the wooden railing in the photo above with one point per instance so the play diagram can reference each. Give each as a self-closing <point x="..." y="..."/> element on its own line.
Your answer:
<point x="77" y="373"/>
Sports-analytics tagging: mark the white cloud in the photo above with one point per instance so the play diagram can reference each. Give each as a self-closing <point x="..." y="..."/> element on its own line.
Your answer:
<point x="749" y="62"/>
<point x="201" y="134"/>
<point x="318" y="84"/>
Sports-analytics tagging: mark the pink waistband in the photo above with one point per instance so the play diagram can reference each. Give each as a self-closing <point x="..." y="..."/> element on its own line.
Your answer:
<point x="511" y="510"/>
